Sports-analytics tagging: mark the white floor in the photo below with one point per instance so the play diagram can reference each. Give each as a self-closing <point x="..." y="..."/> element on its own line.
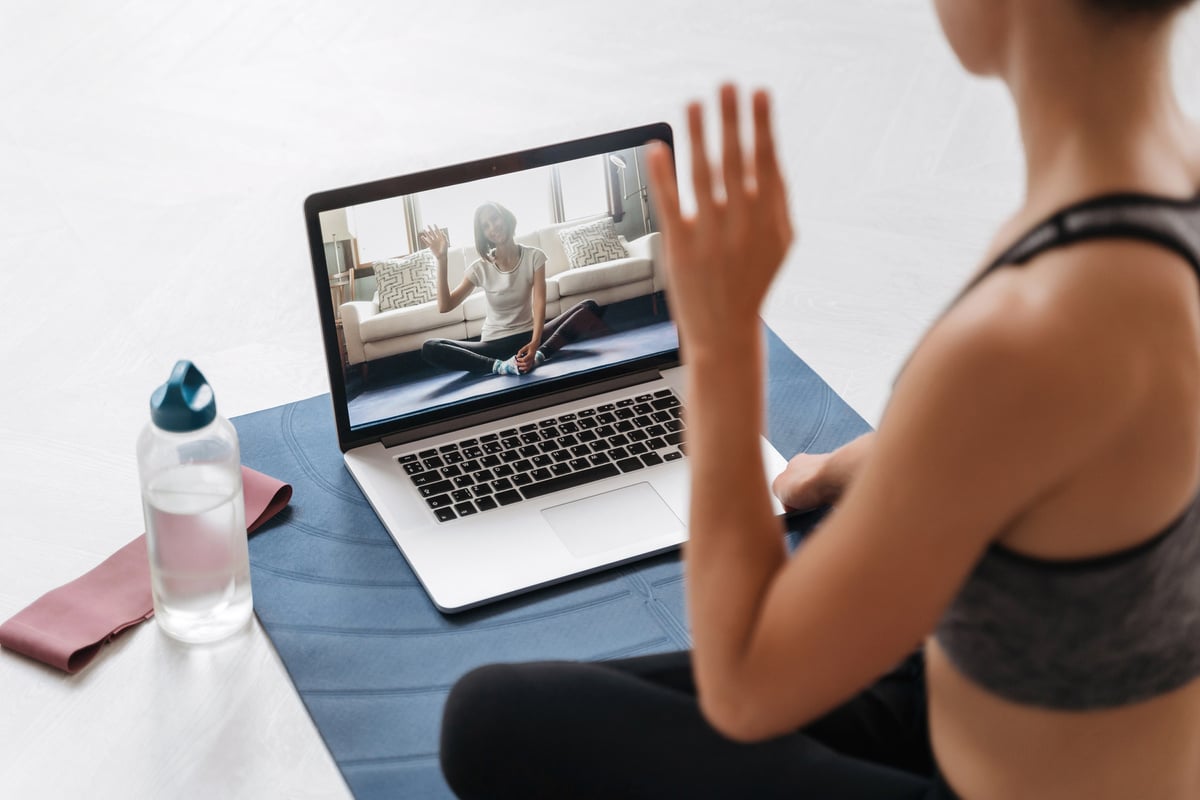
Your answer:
<point x="154" y="155"/>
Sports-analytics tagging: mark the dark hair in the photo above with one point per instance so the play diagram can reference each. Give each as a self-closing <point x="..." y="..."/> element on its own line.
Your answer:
<point x="1141" y="8"/>
<point x="482" y="245"/>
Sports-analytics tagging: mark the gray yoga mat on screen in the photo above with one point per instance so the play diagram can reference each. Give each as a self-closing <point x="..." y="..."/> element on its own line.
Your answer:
<point x="373" y="659"/>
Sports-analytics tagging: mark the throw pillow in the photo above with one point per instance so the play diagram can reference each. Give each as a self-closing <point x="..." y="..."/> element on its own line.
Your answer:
<point x="407" y="281"/>
<point x="592" y="243"/>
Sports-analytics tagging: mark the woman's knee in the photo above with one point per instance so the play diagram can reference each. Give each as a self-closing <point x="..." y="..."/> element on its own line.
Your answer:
<point x="431" y="349"/>
<point x="481" y="723"/>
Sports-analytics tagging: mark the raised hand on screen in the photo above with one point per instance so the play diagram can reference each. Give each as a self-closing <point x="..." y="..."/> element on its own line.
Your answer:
<point x="435" y="239"/>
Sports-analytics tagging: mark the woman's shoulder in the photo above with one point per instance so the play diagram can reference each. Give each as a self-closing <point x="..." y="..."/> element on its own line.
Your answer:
<point x="476" y="270"/>
<point x="1100" y="291"/>
<point x="1064" y="330"/>
<point x="1080" y="330"/>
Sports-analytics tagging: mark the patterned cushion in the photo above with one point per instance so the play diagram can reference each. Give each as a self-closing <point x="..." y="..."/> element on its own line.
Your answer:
<point x="407" y="281"/>
<point x="591" y="243"/>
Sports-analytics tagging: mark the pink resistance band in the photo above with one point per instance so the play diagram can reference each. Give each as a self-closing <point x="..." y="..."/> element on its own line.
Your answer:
<point x="66" y="626"/>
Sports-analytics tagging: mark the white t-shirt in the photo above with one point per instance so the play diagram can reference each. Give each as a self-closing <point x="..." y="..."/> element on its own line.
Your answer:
<point x="509" y="294"/>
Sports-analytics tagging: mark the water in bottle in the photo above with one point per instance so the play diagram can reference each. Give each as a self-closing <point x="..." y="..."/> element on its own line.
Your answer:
<point x="190" y="469"/>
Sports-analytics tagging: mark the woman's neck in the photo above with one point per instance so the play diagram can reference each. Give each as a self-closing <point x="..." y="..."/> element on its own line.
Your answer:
<point x="506" y="254"/>
<point x="1096" y="107"/>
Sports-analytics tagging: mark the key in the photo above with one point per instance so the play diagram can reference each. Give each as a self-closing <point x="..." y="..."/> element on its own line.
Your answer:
<point x="509" y="497"/>
<point x="567" y="481"/>
<point x="423" y="478"/>
<point x="438" y="487"/>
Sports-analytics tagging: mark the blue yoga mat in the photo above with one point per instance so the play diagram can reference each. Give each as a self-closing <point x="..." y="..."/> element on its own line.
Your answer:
<point x="369" y="654"/>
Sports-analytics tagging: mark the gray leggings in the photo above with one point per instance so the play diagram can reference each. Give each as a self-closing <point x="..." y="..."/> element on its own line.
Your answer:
<point x="579" y="320"/>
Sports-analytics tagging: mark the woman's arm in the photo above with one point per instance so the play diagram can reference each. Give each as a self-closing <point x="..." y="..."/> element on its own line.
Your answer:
<point x="525" y="356"/>
<point x="435" y="239"/>
<point x="995" y="408"/>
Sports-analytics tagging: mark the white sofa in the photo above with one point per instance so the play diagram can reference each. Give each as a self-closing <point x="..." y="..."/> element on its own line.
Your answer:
<point x="371" y="333"/>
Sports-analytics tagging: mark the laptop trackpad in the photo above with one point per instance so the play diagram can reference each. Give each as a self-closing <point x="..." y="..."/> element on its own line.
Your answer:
<point x="613" y="519"/>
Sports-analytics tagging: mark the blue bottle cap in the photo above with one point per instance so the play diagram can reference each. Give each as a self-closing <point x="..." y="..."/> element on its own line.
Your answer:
<point x="185" y="402"/>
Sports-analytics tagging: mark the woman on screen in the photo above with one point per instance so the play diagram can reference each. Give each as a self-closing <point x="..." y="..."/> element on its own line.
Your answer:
<point x="1027" y="514"/>
<point x="516" y="337"/>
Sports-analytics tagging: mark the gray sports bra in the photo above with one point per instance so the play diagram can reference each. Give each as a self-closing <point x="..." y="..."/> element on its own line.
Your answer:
<point x="1096" y="632"/>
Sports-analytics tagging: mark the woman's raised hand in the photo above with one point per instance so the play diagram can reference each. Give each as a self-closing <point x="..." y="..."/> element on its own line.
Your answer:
<point x="435" y="239"/>
<point x="720" y="261"/>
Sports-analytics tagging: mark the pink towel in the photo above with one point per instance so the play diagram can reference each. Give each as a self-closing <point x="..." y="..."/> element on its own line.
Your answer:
<point x="66" y="626"/>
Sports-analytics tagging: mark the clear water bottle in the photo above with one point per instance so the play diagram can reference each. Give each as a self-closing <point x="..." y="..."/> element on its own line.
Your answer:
<point x="191" y="477"/>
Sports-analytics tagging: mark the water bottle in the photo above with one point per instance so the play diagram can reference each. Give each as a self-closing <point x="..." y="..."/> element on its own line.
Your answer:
<point x="191" y="478"/>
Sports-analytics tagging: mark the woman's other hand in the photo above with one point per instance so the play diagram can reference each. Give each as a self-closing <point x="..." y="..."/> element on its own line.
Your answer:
<point x="817" y="479"/>
<point x="526" y="358"/>
<point x="720" y="261"/>
<point x="436" y="240"/>
<point x="802" y="484"/>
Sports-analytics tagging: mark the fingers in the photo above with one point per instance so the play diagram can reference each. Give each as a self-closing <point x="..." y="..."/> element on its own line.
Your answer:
<point x="701" y="173"/>
<point x="663" y="184"/>
<point x="763" y="183"/>
<point x="430" y="236"/>
<point x="766" y="167"/>
<point x="731" y="156"/>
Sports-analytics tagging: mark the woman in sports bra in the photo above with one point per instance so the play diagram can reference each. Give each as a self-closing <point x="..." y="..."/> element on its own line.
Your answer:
<point x="1028" y="509"/>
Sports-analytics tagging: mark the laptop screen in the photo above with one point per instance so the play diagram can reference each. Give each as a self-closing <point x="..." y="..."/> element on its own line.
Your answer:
<point x="433" y="287"/>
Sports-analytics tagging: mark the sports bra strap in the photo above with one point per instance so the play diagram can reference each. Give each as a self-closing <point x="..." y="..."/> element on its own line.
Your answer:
<point x="1173" y="224"/>
<point x="1168" y="222"/>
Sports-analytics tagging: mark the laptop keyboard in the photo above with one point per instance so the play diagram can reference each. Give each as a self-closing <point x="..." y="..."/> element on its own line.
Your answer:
<point x="531" y="460"/>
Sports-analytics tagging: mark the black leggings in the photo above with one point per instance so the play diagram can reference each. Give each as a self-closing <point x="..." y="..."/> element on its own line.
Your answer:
<point x="632" y="728"/>
<point x="578" y="321"/>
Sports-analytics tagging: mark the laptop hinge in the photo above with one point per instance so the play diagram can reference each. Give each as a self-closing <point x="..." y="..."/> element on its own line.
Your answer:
<point x="521" y="407"/>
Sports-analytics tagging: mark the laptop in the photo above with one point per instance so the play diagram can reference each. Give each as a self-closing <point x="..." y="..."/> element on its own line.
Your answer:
<point x="493" y="484"/>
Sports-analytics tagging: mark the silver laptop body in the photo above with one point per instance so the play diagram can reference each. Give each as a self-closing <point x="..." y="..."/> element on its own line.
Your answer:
<point x="492" y="485"/>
